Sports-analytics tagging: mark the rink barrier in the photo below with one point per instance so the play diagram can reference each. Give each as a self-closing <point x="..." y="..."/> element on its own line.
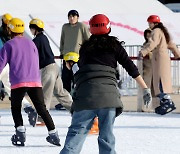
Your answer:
<point x="129" y="86"/>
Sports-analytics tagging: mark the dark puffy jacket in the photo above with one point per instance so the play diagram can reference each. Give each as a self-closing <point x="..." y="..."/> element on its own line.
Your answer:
<point x="96" y="88"/>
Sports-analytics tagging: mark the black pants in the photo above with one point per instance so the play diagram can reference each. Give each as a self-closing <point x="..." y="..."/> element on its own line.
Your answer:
<point x="36" y="96"/>
<point x="67" y="77"/>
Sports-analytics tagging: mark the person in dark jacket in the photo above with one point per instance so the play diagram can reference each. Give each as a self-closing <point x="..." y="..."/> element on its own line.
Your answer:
<point x="96" y="92"/>
<point x="50" y="77"/>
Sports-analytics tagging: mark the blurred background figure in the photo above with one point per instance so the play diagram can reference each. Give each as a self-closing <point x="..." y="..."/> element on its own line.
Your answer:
<point x="159" y="43"/>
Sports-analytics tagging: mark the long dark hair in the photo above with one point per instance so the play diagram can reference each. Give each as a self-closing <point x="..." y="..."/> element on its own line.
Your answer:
<point x="165" y="31"/>
<point x="101" y="43"/>
<point x="145" y="34"/>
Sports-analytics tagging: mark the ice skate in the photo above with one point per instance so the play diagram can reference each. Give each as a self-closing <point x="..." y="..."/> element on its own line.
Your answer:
<point x="94" y="129"/>
<point x="53" y="138"/>
<point x="19" y="138"/>
<point x="32" y="115"/>
<point x="59" y="107"/>
<point x="166" y="106"/>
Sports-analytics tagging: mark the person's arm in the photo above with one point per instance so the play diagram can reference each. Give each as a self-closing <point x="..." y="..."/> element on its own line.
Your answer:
<point x="86" y="33"/>
<point x="3" y="58"/>
<point x="152" y="42"/>
<point x="141" y="82"/>
<point x="146" y="91"/>
<point x="174" y="49"/>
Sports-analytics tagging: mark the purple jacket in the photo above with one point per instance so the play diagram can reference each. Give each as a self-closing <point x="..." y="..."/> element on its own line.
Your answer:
<point x="22" y="56"/>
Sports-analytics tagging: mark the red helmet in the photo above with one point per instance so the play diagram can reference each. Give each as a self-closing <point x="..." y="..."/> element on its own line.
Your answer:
<point x="153" y="18"/>
<point x="99" y="24"/>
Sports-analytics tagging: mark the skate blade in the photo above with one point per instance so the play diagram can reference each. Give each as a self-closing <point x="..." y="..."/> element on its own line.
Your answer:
<point x="19" y="144"/>
<point x="168" y="111"/>
<point x="38" y="123"/>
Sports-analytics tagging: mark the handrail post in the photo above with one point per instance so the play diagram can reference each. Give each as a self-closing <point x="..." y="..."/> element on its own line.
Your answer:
<point x="140" y="91"/>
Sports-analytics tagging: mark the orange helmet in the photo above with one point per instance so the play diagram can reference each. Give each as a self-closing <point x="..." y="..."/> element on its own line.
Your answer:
<point x="99" y="24"/>
<point x="153" y="18"/>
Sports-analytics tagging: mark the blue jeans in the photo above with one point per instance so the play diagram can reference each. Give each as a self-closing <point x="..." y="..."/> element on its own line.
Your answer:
<point x="82" y="122"/>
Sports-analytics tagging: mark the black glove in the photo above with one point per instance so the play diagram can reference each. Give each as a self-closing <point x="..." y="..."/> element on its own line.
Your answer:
<point x="61" y="56"/>
<point x="147" y="96"/>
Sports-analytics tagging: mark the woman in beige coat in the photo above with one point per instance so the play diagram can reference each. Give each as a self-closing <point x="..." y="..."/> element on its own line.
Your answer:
<point x="159" y="43"/>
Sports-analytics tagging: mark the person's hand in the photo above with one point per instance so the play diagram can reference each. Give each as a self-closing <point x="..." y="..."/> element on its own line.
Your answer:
<point x="140" y="56"/>
<point x="147" y="96"/>
<point x="61" y="56"/>
<point x="69" y="64"/>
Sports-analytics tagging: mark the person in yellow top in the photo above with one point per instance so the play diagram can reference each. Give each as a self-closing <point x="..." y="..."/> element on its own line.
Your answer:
<point x="159" y="43"/>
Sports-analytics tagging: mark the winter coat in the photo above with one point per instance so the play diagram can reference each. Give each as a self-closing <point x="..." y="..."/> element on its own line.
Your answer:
<point x="46" y="55"/>
<point x="96" y="88"/>
<point x="161" y="63"/>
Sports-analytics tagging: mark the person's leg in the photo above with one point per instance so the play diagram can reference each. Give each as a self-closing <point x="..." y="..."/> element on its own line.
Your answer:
<point x="16" y="102"/>
<point x="36" y="96"/>
<point x="67" y="77"/>
<point x="78" y="130"/>
<point x="48" y="78"/>
<point x="19" y="137"/>
<point x="62" y="95"/>
<point x="106" y="139"/>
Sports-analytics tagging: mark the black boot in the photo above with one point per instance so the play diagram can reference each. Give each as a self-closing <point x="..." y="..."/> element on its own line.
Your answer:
<point x="166" y="106"/>
<point x="53" y="138"/>
<point x="19" y="138"/>
<point x="32" y="115"/>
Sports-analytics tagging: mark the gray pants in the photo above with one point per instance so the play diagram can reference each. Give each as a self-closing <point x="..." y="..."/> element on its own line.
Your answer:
<point x="52" y="84"/>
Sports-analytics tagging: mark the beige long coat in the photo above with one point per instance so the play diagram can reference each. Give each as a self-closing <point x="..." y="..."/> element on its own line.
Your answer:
<point x="161" y="63"/>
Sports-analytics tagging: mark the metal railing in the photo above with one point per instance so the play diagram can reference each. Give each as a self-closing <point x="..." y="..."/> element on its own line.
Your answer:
<point x="129" y="86"/>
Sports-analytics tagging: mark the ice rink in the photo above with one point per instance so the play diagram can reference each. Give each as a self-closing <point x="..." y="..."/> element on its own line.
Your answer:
<point x="136" y="133"/>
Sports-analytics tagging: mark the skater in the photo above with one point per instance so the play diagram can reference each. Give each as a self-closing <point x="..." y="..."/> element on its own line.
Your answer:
<point x="22" y="56"/>
<point x="73" y="34"/>
<point x="50" y="77"/>
<point x="4" y="37"/>
<point x="96" y="93"/>
<point x="159" y="43"/>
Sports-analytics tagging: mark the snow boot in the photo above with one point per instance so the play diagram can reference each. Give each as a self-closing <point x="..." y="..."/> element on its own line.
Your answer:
<point x="166" y="106"/>
<point x="19" y="138"/>
<point x="53" y="138"/>
<point x="32" y="115"/>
